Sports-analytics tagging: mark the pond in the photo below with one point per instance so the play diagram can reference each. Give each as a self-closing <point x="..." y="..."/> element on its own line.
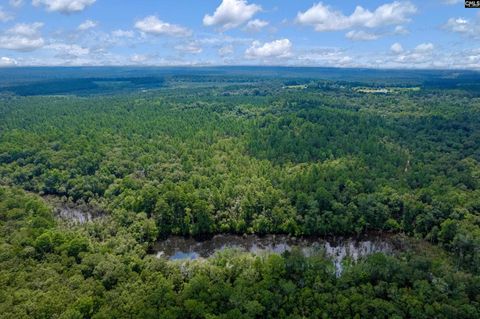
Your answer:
<point x="180" y="248"/>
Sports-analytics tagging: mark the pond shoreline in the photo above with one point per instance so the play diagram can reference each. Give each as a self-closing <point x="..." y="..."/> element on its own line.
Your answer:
<point x="336" y="248"/>
<point x="399" y="238"/>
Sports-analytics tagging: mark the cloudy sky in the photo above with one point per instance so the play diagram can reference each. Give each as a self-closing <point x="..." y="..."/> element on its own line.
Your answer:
<point x="354" y="33"/>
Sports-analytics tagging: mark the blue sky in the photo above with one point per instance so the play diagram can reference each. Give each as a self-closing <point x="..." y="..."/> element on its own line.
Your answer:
<point x="379" y="34"/>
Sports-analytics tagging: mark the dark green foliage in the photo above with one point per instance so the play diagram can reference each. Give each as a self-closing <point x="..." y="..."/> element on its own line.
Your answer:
<point x="210" y="153"/>
<point x="84" y="86"/>
<point x="67" y="276"/>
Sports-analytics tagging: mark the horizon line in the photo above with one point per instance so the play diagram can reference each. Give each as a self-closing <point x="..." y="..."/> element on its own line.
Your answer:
<point x="240" y="66"/>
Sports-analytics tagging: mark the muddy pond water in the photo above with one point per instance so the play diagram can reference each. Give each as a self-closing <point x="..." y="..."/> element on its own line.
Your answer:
<point x="337" y="249"/>
<point x="177" y="248"/>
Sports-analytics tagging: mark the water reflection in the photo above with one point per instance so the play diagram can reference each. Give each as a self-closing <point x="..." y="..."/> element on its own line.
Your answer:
<point x="338" y="249"/>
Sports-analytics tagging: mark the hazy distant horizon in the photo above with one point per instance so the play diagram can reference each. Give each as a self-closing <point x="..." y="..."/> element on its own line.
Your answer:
<point x="237" y="66"/>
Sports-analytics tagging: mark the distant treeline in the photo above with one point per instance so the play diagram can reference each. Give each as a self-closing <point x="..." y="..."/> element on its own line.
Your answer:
<point x="81" y="86"/>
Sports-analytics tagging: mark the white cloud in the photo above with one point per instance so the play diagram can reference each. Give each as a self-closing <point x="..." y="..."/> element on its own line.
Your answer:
<point x="332" y="57"/>
<point x="22" y="37"/>
<point x="6" y="61"/>
<point x="139" y="58"/>
<point x="16" y="3"/>
<point x="19" y="43"/>
<point x="231" y="14"/>
<point x="275" y="49"/>
<point x="255" y="25"/>
<point x="464" y="26"/>
<point x="324" y="18"/>
<point x="191" y="47"/>
<point x="155" y="26"/>
<point x="401" y="30"/>
<point x="226" y="50"/>
<point x="4" y="16"/>
<point x="87" y="24"/>
<point x="361" y="35"/>
<point x="25" y="29"/>
<point x="460" y="25"/>
<point x="68" y="50"/>
<point x="424" y="48"/>
<point x="220" y="39"/>
<point x="423" y="55"/>
<point x="64" y="6"/>
<point x="123" y="33"/>
<point x="396" y="48"/>
<point x="470" y="59"/>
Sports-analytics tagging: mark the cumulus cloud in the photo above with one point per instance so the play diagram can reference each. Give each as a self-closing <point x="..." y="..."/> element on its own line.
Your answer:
<point x="22" y="37"/>
<point x="324" y="18"/>
<point x="4" y="16"/>
<point x="421" y="56"/>
<point x="424" y="48"/>
<point x="255" y="25"/>
<point x="6" y="61"/>
<point x="275" y="49"/>
<point x="464" y="26"/>
<point x="460" y="25"/>
<point x="20" y="43"/>
<point x="396" y="48"/>
<point x="25" y="29"/>
<point x="231" y="14"/>
<point x="64" y="6"/>
<point x="191" y="47"/>
<point x="361" y="35"/>
<point x="155" y="26"/>
<point x="87" y="24"/>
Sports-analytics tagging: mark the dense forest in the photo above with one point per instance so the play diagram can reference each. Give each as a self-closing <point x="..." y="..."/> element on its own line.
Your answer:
<point x="198" y="154"/>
